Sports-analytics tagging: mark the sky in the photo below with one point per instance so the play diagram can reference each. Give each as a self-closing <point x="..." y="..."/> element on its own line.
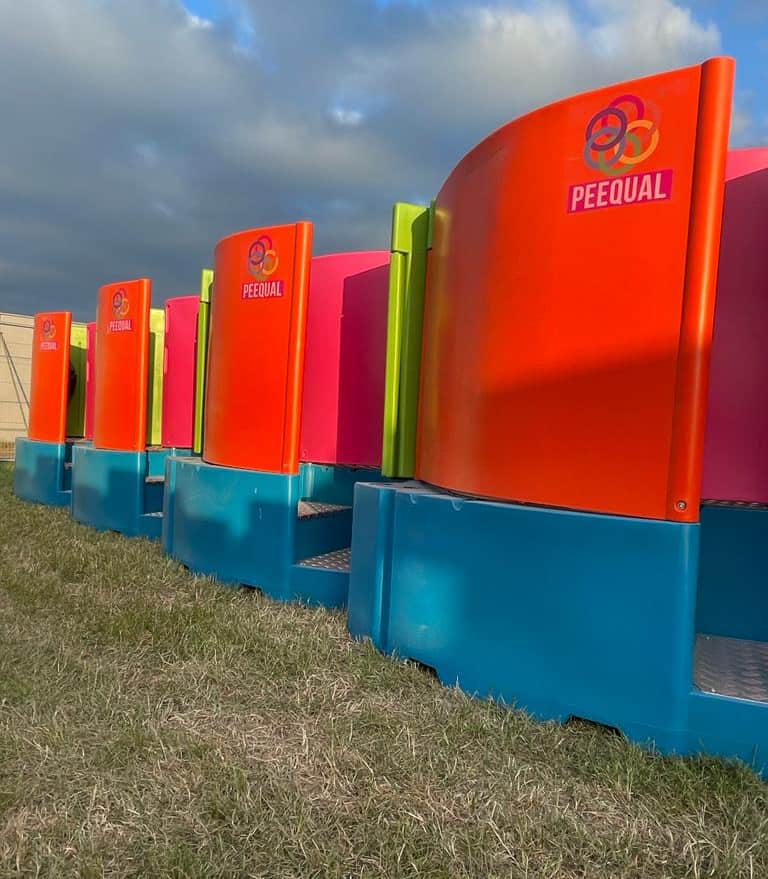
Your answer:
<point x="137" y="133"/>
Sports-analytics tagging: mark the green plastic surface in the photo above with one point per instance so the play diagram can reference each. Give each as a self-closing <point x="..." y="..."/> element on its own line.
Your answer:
<point x="78" y="345"/>
<point x="203" y="319"/>
<point x="407" y="283"/>
<point x="155" y="379"/>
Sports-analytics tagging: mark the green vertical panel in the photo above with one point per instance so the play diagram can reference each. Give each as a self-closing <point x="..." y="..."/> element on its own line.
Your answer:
<point x="407" y="283"/>
<point x="155" y="379"/>
<point x="389" y="449"/>
<point x="78" y="345"/>
<point x="203" y="319"/>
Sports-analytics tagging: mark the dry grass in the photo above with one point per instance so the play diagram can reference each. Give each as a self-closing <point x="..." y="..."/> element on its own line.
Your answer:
<point x="155" y="724"/>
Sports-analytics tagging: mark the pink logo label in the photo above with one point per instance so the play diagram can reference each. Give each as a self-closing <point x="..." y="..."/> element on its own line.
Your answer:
<point x="122" y="325"/>
<point x="263" y="289"/>
<point x="629" y="189"/>
<point x="49" y="346"/>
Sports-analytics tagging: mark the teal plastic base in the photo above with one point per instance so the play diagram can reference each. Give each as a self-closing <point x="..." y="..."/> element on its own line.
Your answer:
<point x="119" y="491"/>
<point x="733" y="599"/>
<point x="43" y="471"/>
<point x="563" y="614"/>
<point x="245" y="527"/>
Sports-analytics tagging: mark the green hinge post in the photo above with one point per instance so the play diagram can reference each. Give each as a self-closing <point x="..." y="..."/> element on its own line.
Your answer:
<point x="155" y="378"/>
<point x="78" y="356"/>
<point x="411" y="225"/>
<point x="201" y="355"/>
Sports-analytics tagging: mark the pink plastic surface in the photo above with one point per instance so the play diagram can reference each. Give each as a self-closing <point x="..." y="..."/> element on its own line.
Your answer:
<point x="345" y="359"/>
<point x="736" y="441"/>
<point x="90" y="380"/>
<point x="179" y="371"/>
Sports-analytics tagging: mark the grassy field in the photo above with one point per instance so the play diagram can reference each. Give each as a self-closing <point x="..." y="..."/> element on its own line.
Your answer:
<point x="156" y="724"/>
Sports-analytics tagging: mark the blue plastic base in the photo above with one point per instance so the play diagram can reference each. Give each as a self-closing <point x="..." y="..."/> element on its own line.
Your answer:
<point x="563" y="614"/>
<point x="43" y="471"/>
<point x="320" y="586"/>
<point x="111" y="491"/>
<point x="733" y="599"/>
<point x="243" y="527"/>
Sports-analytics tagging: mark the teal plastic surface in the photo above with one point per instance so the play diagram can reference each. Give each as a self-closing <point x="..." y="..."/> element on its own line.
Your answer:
<point x="114" y="491"/>
<point x="42" y="473"/>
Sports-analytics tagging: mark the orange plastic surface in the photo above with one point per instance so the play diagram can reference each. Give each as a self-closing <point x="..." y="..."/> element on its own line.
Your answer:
<point x="569" y="306"/>
<point x="50" y="377"/>
<point x="122" y="366"/>
<point x="256" y="349"/>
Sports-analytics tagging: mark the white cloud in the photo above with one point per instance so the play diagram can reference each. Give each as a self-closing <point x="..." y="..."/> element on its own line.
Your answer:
<point x="351" y="118"/>
<point x="197" y="22"/>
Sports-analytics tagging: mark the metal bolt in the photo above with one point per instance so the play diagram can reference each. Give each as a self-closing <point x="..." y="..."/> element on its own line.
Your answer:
<point x="681" y="505"/>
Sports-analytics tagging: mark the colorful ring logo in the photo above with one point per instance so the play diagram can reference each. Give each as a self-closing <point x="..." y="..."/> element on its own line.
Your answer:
<point x="262" y="259"/>
<point x="622" y="135"/>
<point x="49" y="329"/>
<point x="120" y="306"/>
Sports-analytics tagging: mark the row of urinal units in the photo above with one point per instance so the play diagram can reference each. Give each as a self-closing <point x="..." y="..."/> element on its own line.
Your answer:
<point x="274" y="404"/>
<point x="544" y="447"/>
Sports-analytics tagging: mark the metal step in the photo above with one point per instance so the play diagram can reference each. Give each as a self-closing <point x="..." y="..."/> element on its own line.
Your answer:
<point x="67" y="465"/>
<point x="732" y="667"/>
<point x="154" y="480"/>
<point x="338" y="560"/>
<point x="315" y="509"/>
<point x="157" y="515"/>
<point x="736" y="505"/>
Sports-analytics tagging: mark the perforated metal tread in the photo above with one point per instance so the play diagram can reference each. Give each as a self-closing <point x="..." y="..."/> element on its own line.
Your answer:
<point x="738" y="505"/>
<point x="338" y="560"/>
<point x="67" y="465"/>
<point x="157" y="515"/>
<point x="315" y="509"/>
<point x="154" y="480"/>
<point x="732" y="667"/>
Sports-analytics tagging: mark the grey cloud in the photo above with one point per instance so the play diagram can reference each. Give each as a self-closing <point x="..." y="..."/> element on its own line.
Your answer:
<point x="133" y="138"/>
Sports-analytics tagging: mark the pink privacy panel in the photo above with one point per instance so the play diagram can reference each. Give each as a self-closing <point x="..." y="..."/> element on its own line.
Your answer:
<point x="179" y="370"/>
<point x="90" y="380"/>
<point x="736" y="441"/>
<point x="345" y="358"/>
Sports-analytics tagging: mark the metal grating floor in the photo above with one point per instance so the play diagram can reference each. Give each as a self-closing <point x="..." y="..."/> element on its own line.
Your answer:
<point x="732" y="667"/>
<point x="739" y="505"/>
<point x="315" y="509"/>
<point x="338" y="560"/>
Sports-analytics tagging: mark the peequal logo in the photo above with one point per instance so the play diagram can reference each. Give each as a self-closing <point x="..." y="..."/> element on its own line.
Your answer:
<point x="618" y="139"/>
<point x="48" y="333"/>
<point x="263" y="261"/>
<point x="120" y="322"/>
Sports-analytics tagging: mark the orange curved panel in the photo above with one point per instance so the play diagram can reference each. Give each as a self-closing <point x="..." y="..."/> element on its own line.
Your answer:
<point x="122" y="366"/>
<point x="570" y="298"/>
<point x="256" y="349"/>
<point x="50" y="376"/>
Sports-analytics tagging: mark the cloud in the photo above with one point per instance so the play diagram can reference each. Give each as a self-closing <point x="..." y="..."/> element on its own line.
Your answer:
<point x="747" y="127"/>
<point x="135" y="135"/>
